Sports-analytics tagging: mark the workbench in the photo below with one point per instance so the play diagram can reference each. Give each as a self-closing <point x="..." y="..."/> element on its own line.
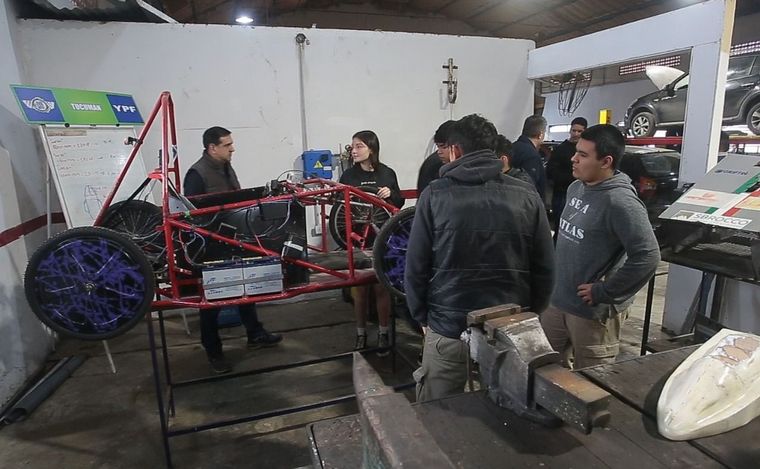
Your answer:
<point x="475" y="433"/>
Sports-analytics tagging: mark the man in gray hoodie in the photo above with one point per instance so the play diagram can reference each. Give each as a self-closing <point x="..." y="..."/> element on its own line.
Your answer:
<point x="606" y="251"/>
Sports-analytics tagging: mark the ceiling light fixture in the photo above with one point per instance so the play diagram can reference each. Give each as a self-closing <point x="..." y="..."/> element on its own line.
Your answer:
<point x="244" y="19"/>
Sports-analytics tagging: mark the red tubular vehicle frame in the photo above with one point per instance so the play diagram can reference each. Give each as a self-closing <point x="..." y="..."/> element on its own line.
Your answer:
<point x="169" y="295"/>
<point x="312" y="192"/>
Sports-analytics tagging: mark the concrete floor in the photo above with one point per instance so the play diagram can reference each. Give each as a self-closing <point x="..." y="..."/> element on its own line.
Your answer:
<point x="98" y="419"/>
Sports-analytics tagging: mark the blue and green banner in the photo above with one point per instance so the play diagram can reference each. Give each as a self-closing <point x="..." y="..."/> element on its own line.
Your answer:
<point x="76" y="107"/>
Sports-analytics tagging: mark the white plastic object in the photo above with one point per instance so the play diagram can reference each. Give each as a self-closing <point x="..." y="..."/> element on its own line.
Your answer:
<point x="716" y="389"/>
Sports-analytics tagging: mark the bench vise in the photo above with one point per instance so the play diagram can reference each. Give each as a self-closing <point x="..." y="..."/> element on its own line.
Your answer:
<point x="520" y="371"/>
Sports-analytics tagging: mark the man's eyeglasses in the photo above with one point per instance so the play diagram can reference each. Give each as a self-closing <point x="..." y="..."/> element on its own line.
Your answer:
<point x="442" y="146"/>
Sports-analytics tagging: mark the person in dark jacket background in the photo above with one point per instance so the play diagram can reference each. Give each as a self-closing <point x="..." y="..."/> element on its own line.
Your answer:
<point x="525" y="153"/>
<point x="479" y="239"/>
<point x="213" y="173"/>
<point x="432" y="164"/>
<point x="367" y="170"/>
<point x="503" y="150"/>
<point x="560" y="169"/>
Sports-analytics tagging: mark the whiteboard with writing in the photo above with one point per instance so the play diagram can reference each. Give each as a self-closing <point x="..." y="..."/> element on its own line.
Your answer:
<point x="85" y="163"/>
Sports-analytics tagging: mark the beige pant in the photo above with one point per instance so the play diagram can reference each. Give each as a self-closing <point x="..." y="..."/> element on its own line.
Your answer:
<point x="588" y="341"/>
<point x="444" y="368"/>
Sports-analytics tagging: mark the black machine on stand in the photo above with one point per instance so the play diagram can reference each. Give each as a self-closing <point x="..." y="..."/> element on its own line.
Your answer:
<point x="714" y="227"/>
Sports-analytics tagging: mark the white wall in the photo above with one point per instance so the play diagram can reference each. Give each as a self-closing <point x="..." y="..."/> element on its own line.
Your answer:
<point x="24" y="343"/>
<point x="616" y="97"/>
<point x="246" y="79"/>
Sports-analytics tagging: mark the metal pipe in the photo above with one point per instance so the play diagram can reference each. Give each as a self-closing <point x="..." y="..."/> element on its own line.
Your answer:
<point x="48" y="211"/>
<point x="276" y="413"/>
<point x="301" y="40"/>
<point x="42" y="389"/>
<point x="268" y="369"/>
<point x="261" y="416"/>
<point x="132" y="155"/>
<point x="647" y="317"/>
<point x="165" y="355"/>
<point x="157" y="385"/>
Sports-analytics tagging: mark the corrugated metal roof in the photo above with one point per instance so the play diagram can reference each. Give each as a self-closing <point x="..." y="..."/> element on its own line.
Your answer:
<point x="545" y="21"/>
<point x="96" y="10"/>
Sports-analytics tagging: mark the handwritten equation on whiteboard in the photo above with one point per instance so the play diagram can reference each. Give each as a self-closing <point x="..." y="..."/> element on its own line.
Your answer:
<point x="86" y="164"/>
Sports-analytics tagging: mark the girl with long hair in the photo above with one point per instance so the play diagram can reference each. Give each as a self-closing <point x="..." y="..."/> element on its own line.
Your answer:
<point x="367" y="170"/>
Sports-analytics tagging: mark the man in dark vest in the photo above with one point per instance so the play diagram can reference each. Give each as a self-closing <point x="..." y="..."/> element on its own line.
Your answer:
<point x="213" y="173"/>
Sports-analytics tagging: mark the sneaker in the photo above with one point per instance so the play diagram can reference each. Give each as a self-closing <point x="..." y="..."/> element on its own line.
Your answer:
<point x="383" y="342"/>
<point x="361" y="342"/>
<point x="265" y="339"/>
<point x="219" y="364"/>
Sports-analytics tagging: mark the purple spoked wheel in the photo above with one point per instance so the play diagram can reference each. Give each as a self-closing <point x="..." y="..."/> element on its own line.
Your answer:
<point x="389" y="250"/>
<point x="89" y="283"/>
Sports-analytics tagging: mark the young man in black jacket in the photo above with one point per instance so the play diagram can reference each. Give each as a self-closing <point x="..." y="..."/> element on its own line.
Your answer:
<point x="503" y="150"/>
<point x="560" y="169"/>
<point x="479" y="239"/>
<point x="525" y="153"/>
<point x="432" y="164"/>
<point x="213" y="173"/>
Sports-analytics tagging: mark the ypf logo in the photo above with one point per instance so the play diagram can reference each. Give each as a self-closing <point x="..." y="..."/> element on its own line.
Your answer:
<point x="40" y="105"/>
<point x="125" y="109"/>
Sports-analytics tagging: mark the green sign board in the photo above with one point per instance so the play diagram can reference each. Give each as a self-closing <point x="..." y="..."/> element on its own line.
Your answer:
<point x="76" y="107"/>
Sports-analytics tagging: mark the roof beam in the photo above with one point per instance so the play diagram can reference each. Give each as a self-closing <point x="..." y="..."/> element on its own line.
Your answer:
<point x="488" y="8"/>
<point x="555" y="4"/>
<point x="448" y="4"/>
<point x="554" y="59"/>
<point x="609" y="16"/>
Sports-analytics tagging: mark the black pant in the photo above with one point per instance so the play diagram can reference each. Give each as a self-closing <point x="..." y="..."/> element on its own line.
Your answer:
<point x="210" y="326"/>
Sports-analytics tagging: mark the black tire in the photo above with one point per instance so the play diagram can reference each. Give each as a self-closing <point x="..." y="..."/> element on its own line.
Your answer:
<point x="389" y="251"/>
<point x="89" y="283"/>
<point x="642" y="124"/>
<point x="389" y="260"/>
<point x="137" y="220"/>
<point x="753" y="118"/>
<point x="364" y="216"/>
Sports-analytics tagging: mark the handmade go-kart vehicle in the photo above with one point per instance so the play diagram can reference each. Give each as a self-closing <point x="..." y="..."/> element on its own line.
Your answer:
<point x="97" y="282"/>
